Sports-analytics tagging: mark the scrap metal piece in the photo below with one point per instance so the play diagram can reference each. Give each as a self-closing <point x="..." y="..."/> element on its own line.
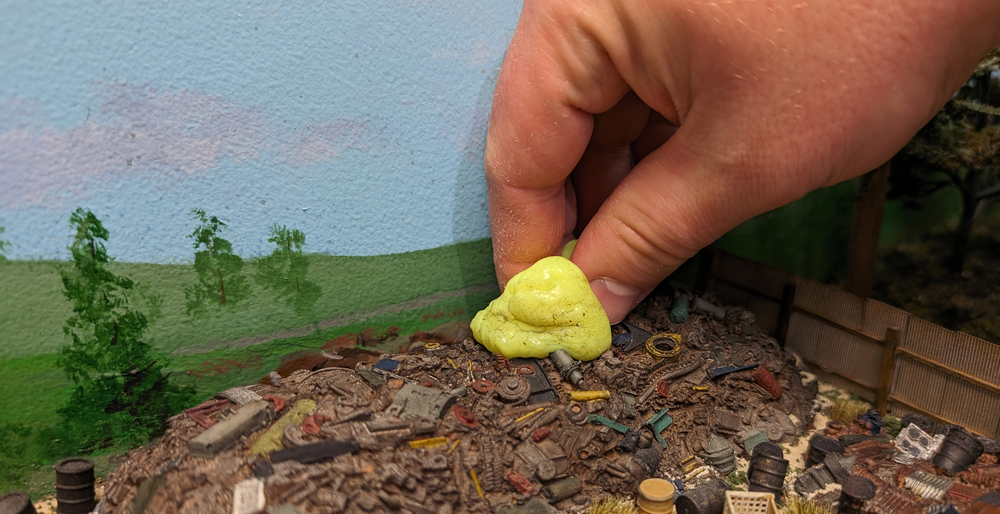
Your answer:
<point x="639" y="337"/>
<point x="569" y="368"/>
<point x="679" y="310"/>
<point x="725" y="370"/>
<point x="586" y="396"/>
<point x="720" y="455"/>
<point x="239" y="395"/>
<point x="926" y="485"/>
<point x="513" y="389"/>
<point x="752" y="438"/>
<point x="316" y="452"/>
<point x="544" y="467"/>
<point x="565" y="488"/>
<point x="521" y="483"/>
<point x="614" y="425"/>
<point x="658" y="423"/>
<point x="541" y="388"/>
<point x="704" y="306"/>
<point x="416" y="401"/>
<point x="628" y="401"/>
<point x="913" y="443"/>
<point x="222" y="435"/>
<point x="576" y="413"/>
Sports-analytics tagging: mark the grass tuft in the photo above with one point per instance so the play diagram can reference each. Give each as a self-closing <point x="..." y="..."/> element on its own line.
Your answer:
<point x="797" y="505"/>
<point x="614" y="505"/>
<point x="846" y="410"/>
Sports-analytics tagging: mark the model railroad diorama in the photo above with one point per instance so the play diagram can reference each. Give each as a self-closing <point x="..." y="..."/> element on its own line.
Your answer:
<point x="692" y="409"/>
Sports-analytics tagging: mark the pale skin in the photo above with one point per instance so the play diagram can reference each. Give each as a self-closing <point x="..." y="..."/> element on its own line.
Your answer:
<point x="652" y="127"/>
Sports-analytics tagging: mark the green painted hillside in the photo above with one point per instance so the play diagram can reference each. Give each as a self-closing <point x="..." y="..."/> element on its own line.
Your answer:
<point x="33" y="309"/>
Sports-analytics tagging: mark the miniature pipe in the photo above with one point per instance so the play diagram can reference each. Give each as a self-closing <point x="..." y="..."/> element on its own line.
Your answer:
<point x="708" y="308"/>
<point x="586" y="396"/>
<point x="569" y="368"/>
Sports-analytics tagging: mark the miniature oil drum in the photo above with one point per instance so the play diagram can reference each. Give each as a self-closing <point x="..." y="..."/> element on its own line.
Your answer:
<point x="75" y="486"/>
<point x="656" y="496"/>
<point x="16" y="503"/>
<point x="855" y="491"/>
<point x="664" y="346"/>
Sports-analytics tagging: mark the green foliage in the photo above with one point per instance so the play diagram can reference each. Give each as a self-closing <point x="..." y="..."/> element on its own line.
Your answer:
<point x="284" y="271"/>
<point x="120" y="396"/>
<point x="221" y="281"/>
<point x="736" y="480"/>
<point x="4" y="245"/>
<point x="959" y="148"/>
<point x="892" y="426"/>
<point x="15" y="453"/>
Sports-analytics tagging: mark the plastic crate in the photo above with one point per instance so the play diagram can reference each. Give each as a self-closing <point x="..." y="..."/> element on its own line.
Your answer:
<point x="739" y="502"/>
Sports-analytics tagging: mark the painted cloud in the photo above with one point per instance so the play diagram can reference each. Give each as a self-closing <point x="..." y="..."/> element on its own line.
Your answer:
<point x="157" y="133"/>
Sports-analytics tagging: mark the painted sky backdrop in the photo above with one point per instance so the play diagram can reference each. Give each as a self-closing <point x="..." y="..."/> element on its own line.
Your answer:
<point x="361" y="123"/>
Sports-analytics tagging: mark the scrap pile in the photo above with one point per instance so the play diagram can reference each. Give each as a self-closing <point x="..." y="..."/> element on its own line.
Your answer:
<point x="927" y="468"/>
<point x="683" y="396"/>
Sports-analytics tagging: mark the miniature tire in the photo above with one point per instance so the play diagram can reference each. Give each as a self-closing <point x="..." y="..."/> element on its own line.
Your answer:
<point x="546" y="470"/>
<point x="664" y="346"/>
<point x="525" y="369"/>
<point x="513" y="389"/>
<point x="482" y="386"/>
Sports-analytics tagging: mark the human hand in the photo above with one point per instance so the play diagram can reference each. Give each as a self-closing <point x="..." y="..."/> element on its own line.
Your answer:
<point x="729" y="109"/>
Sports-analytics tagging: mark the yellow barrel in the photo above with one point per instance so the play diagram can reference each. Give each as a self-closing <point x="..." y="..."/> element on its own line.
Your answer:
<point x="656" y="496"/>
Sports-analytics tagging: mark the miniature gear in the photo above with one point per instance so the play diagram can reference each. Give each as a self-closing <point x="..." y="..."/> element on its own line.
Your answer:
<point x="513" y="389"/>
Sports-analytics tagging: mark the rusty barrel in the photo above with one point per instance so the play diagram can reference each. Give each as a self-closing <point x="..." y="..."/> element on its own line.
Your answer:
<point x="959" y="450"/>
<point x="767" y="474"/>
<point x="16" y="503"/>
<point x="854" y="492"/>
<point x="75" y="486"/>
<point x="708" y="498"/>
<point x="820" y="446"/>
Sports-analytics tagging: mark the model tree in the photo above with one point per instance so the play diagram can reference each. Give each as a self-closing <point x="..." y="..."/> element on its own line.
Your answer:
<point x="121" y="395"/>
<point x="284" y="271"/>
<point x="4" y="245"/>
<point x="959" y="148"/>
<point x="221" y="280"/>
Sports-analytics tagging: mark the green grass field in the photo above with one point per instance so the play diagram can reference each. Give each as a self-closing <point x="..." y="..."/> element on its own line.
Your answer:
<point x="231" y="346"/>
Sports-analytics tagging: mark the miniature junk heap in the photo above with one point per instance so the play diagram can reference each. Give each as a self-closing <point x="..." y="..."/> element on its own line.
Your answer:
<point x="453" y="428"/>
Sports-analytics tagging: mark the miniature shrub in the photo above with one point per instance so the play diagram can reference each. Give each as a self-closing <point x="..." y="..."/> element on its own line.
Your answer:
<point x="846" y="410"/>
<point x="613" y="505"/>
<point x="736" y="480"/>
<point x="892" y="426"/>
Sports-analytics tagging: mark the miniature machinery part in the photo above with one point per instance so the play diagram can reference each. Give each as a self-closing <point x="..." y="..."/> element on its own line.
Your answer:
<point x="569" y="368"/>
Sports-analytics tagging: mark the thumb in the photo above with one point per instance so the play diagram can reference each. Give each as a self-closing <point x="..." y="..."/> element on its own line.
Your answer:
<point x="672" y="204"/>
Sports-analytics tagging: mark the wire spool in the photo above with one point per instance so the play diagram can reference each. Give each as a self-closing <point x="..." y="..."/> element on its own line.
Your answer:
<point x="665" y="346"/>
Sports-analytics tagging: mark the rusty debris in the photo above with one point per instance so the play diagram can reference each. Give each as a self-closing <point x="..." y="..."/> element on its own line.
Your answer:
<point x="451" y="428"/>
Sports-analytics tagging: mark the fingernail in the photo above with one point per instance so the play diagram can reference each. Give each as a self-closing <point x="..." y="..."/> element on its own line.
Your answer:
<point x="618" y="299"/>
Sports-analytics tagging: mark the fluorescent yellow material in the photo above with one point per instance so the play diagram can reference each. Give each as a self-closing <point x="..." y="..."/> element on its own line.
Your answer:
<point x="567" y="251"/>
<point x="546" y="307"/>
<point x="271" y="440"/>
<point x="586" y="396"/>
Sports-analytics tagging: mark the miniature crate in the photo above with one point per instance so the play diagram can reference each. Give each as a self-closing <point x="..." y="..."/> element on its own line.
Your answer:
<point x="739" y="502"/>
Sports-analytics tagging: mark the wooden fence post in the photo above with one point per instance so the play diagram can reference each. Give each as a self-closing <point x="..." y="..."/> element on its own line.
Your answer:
<point x="885" y="369"/>
<point x="785" y="313"/>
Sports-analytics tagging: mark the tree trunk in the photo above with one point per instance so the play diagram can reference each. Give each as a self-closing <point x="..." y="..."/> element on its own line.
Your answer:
<point x="956" y="261"/>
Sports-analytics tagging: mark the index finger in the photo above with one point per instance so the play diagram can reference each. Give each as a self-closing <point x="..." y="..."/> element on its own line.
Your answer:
<point x="547" y="91"/>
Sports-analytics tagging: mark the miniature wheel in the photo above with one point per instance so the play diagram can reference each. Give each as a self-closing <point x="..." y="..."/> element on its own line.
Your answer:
<point x="664" y="346"/>
<point x="432" y="346"/>
<point x="513" y="389"/>
<point x="526" y="369"/>
<point x="482" y="386"/>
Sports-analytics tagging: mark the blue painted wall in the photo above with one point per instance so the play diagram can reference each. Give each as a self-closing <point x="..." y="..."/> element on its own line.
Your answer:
<point x="361" y="123"/>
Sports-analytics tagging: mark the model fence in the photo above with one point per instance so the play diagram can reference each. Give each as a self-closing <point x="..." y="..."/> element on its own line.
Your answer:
<point x="883" y="354"/>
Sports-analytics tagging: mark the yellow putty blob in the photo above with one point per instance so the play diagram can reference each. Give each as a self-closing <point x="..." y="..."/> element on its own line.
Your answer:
<point x="546" y="307"/>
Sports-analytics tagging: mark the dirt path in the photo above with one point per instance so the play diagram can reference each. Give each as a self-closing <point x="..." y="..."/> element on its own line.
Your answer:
<point x="339" y="321"/>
